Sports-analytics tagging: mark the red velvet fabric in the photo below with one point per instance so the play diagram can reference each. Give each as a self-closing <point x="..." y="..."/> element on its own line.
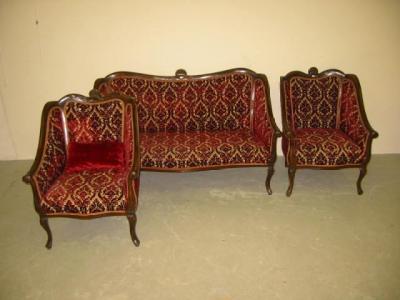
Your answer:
<point x="323" y="147"/>
<point x="95" y="156"/>
<point x="220" y="102"/>
<point x="197" y="123"/>
<point x="95" y="122"/>
<point x="351" y="121"/>
<point x="87" y="192"/>
<point x="54" y="153"/>
<point x="197" y="150"/>
<point x="313" y="102"/>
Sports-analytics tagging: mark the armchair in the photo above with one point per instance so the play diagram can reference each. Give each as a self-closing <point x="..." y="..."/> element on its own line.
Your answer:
<point x="324" y="123"/>
<point x="88" y="160"/>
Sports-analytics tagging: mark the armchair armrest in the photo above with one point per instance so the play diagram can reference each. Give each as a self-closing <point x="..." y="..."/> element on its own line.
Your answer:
<point x="51" y="153"/>
<point x="264" y="125"/>
<point x="353" y="119"/>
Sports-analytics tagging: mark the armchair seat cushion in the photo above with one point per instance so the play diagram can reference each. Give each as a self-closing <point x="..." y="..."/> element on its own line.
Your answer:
<point x="87" y="192"/>
<point x="202" y="150"/>
<point x="326" y="147"/>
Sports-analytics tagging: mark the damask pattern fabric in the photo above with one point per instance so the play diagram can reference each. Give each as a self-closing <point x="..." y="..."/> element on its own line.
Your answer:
<point x="174" y="150"/>
<point x="351" y="121"/>
<point x="313" y="102"/>
<point x="95" y="122"/>
<point x="54" y="154"/>
<point x="91" y="187"/>
<point x="169" y="105"/>
<point x="261" y="121"/>
<point x="324" y="147"/>
<point x="87" y="192"/>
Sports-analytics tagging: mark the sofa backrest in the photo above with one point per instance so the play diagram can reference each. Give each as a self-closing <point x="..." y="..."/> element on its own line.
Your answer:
<point x="218" y="101"/>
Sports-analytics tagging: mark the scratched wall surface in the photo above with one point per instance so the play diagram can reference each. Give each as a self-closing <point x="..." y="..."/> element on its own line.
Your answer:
<point x="51" y="48"/>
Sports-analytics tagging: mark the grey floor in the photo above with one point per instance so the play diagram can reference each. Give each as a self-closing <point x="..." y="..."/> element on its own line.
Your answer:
<point x="214" y="235"/>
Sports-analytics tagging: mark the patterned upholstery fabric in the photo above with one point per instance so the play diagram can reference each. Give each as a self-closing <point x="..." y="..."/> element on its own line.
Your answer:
<point x="94" y="122"/>
<point x="313" y="102"/>
<point x="54" y="155"/>
<point x="324" y="147"/>
<point x="262" y="120"/>
<point x="218" y="110"/>
<point x="330" y="103"/>
<point x="216" y="103"/>
<point x="174" y="150"/>
<point x="87" y="192"/>
<point x="351" y="121"/>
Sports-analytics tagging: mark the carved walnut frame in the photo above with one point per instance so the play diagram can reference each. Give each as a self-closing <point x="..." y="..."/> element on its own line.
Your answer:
<point x="291" y="137"/>
<point x="181" y="74"/>
<point x="134" y="173"/>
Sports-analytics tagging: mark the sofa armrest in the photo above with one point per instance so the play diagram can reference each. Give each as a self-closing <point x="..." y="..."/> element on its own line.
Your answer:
<point x="264" y="125"/>
<point x="353" y="119"/>
<point x="51" y="153"/>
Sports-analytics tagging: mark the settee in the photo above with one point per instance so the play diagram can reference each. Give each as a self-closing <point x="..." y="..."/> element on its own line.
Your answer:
<point x="202" y="122"/>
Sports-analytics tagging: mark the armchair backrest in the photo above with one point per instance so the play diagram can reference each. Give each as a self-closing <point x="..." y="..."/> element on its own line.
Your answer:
<point x="78" y="120"/>
<point x="100" y="130"/>
<point x="217" y="101"/>
<point x="95" y="121"/>
<point x="312" y="100"/>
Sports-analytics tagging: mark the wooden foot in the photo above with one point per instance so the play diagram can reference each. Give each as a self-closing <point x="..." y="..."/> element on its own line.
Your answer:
<point x="291" y="173"/>
<point x="363" y="172"/>
<point x="132" y="226"/>
<point x="271" y="172"/>
<point x="45" y="224"/>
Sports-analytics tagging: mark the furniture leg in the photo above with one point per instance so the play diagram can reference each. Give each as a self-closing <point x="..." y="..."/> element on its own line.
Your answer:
<point x="363" y="172"/>
<point x="271" y="172"/>
<point x="291" y="173"/>
<point x="45" y="224"/>
<point x="132" y="226"/>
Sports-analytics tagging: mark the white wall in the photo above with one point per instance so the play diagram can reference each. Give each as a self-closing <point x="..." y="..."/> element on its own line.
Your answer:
<point x="7" y="150"/>
<point x="77" y="41"/>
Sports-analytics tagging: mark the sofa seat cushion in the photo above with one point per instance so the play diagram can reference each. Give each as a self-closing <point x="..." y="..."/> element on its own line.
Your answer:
<point x="201" y="150"/>
<point x="87" y="192"/>
<point x="326" y="147"/>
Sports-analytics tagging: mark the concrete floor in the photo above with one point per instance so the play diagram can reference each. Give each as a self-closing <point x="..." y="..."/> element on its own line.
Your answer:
<point x="214" y="235"/>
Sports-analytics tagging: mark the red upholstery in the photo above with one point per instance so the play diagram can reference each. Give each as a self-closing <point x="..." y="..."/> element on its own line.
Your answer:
<point x="82" y="156"/>
<point x="90" y="175"/>
<point x="87" y="192"/>
<point x="325" y="147"/>
<point x="351" y="121"/>
<point x="313" y="102"/>
<point x="54" y="156"/>
<point x="324" y="102"/>
<point x="176" y="150"/>
<point x="215" y="120"/>
<point x="216" y="103"/>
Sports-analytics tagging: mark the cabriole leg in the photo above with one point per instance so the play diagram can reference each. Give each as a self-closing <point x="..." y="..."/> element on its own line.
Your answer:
<point x="45" y="224"/>
<point x="271" y="172"/>
<point x="291" y="173"/>
<point x="363" y="172"/>
<point x="132" y="226"/>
